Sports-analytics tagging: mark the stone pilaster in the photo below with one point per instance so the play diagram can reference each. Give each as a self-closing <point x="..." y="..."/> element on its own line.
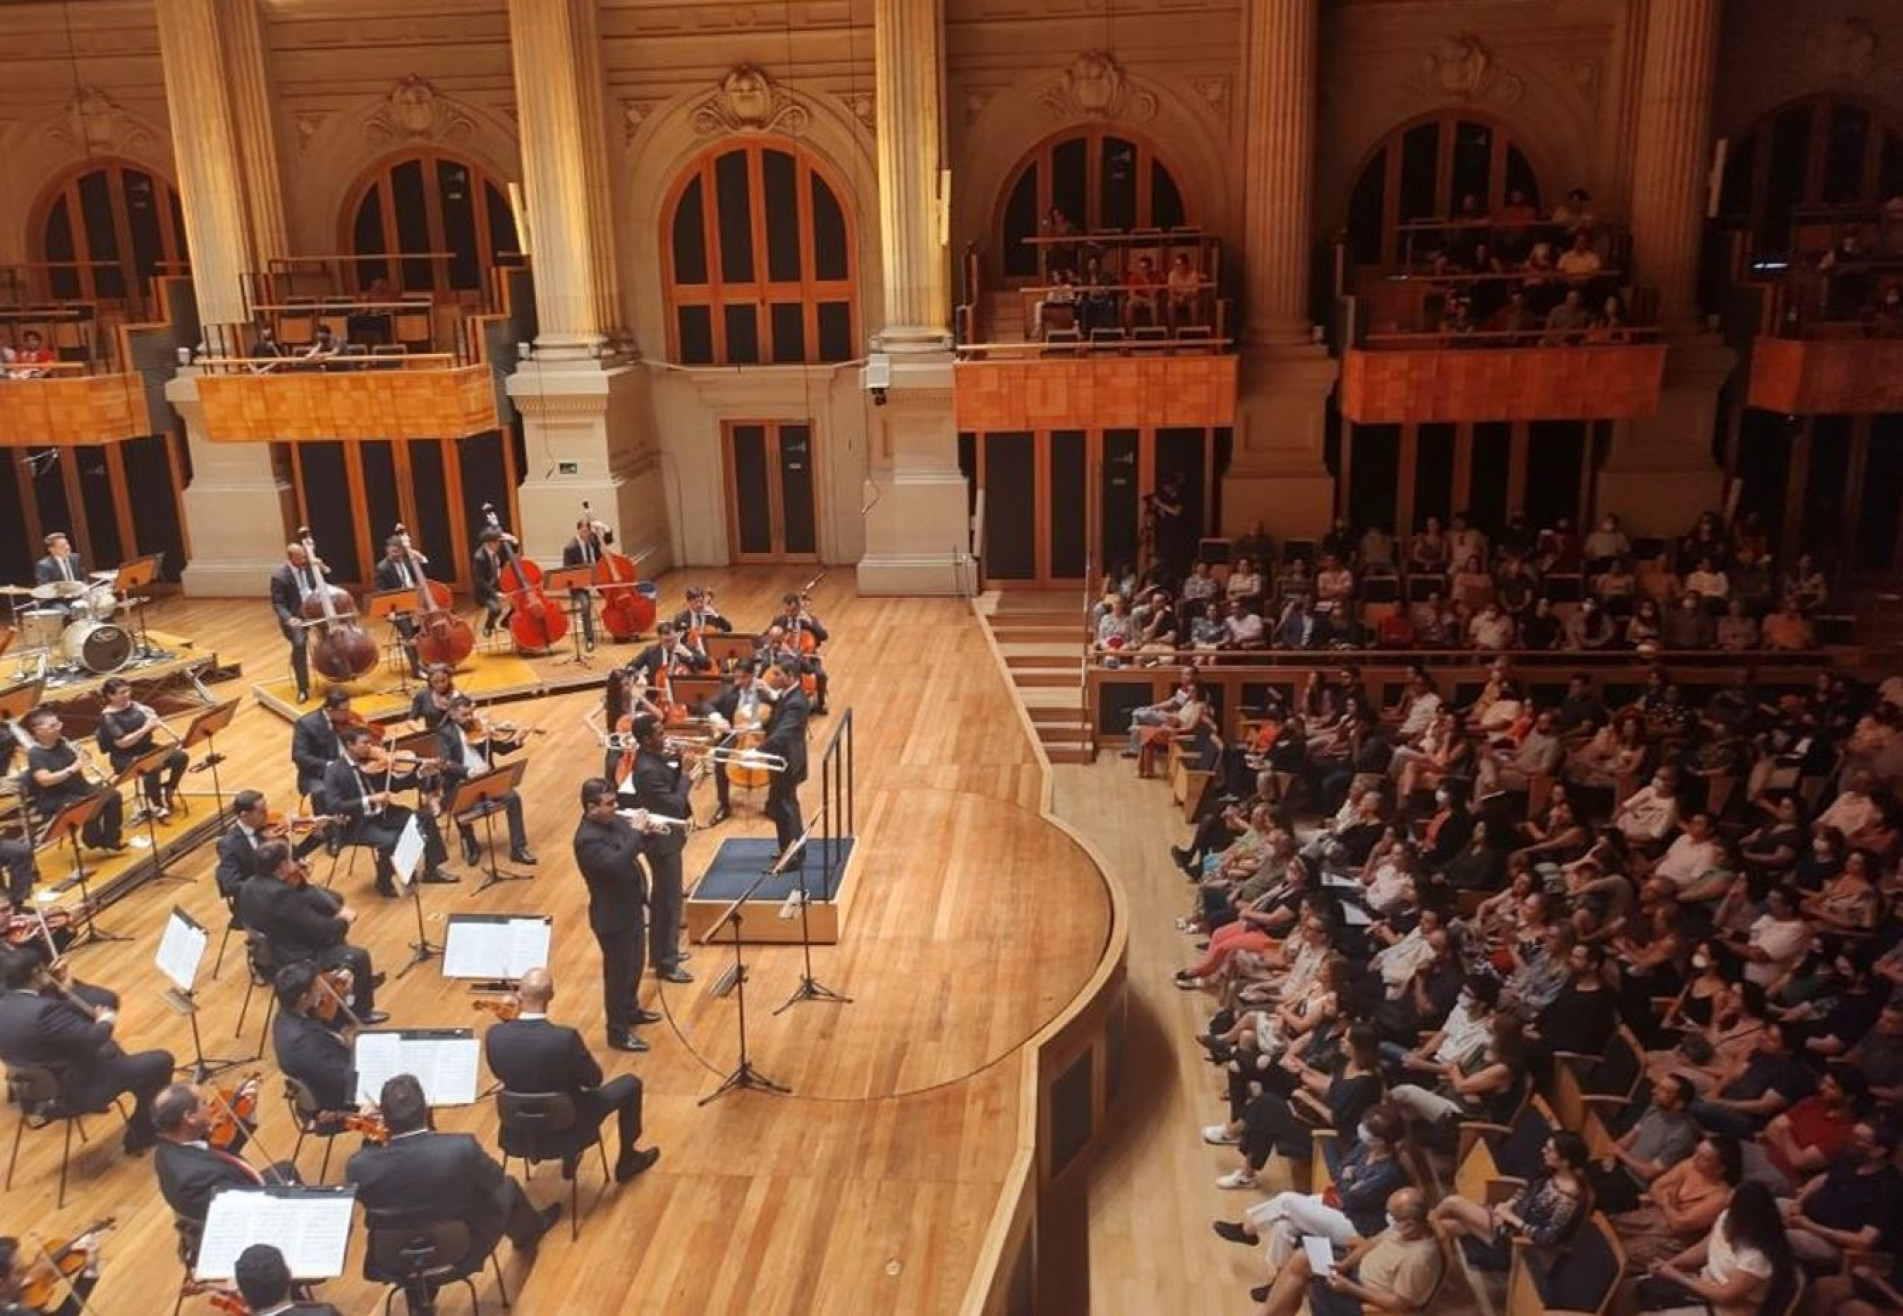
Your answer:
<point x="238" y="507"/>
<point x="248" y="79"/>
<point x="909" y="111"/>
<point x="917" y="529"/>
<point x="1672" y="152"/>
<point x="1281" y="46"/>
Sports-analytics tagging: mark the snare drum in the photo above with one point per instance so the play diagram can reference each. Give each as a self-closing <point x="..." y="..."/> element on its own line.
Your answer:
<point x="40" y="628"/>
<point x="99" y="603"/>
<point x="98" y="646"/>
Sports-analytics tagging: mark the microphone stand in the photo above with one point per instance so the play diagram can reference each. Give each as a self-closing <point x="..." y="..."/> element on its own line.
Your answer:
<point x="743" y="1075"/>
<point x="810" y="988"/>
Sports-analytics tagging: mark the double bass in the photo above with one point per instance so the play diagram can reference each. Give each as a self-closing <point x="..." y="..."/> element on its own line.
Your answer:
<point x="625" y="610"/>
<point x="441" y="636"/>
<point x="535" y="620"/>
<point x="340" y="649"/>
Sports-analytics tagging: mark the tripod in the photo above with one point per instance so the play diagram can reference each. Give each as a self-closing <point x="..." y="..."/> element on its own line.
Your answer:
<point x="202" y="1066"/>
<point x="422" y="950"/>
<point x="810" y="988"/>
<point x="744" y="1075"/>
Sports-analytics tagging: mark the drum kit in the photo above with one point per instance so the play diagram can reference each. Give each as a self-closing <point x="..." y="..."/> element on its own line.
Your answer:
<point x="73" y="623"/>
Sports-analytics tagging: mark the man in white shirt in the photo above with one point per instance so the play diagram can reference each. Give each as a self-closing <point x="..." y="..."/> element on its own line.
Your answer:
<point x="1650" y="812"/>
<point x="1854" y="812"/>
<point x="1539" y="754"/>
<point x="1417" y="710"/>
<point x="1689" y="858"/>
<point x="1242" y="629"/>
<point x="1491" y="628"/>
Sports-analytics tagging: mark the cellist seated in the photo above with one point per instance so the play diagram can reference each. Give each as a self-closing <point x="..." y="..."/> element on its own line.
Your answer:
<point x="592" y="538"/>
<point x="396" y="571"/>
<point x="804" y="636"/>
<point x="302" y="922"/>
<point x="669" y="655"/>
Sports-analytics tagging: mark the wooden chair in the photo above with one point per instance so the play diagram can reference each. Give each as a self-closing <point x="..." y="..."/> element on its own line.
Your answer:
<point x="36" y="1092"/>
<point x="1609" y="1080"/>
<point x="1491" y="1155"/>
<point x="1580" y="1281"/>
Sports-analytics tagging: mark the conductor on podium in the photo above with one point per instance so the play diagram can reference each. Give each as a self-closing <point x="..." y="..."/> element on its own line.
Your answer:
<point x="786" y="737"/>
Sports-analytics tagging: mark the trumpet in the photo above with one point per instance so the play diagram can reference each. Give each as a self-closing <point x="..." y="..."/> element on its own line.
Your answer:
<point x="88" y="765"/>
<point x="153" y="720"/>
<point x="653" y="822"/>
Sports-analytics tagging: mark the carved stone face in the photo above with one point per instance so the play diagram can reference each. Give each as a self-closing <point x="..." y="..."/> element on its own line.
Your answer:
<point x="1093" y="82"/>
<point x="749" y="97"/>
<point x="413" y="101"/>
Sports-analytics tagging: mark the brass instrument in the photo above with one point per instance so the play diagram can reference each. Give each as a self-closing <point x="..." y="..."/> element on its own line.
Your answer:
<point x="157" y="723"/>
<point x="88" y="765"/>
<point x="654" y="822"/>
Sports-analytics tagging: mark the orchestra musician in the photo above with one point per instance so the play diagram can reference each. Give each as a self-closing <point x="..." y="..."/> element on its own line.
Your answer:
<point x="55" y="780"/>
<point x="397" y="571"/>
<point x="31" y="937"/>
<point x="608" y="853"/>
<point x="239" y="847"/>
<point x="797" y="619"/>
<point x="17" y="1266"/>
<point x="372" y="816"/>
<point x="660" y="786"/>
<point x="430" y="705"/>
<point x="531" y="1053"/>
<point x="668" y="654"/>
<point x="469" y="750"/>
<point x="46" y="1024"/>
<point x="16" y="857"/>
<point x="60" y="564"/>
<point x="424" y="1175"/>
<point x="584" y="550"/>
<point x="190" y="1170"/>
<point x="127" y="733"/>
<point x="308" y="1049"/>
<point x="263" y="1278"/>
<point x="739" y="706"/>
<point x="305" y="922"/>
<point x="786" y="737"/>
<point x="485" y="577"/>
<point x="700" y="614"/>
<point x="291" y="584"/>
<point x="316" y="743"/>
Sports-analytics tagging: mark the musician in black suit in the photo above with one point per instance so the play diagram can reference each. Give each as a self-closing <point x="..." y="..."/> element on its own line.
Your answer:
<point x="463" y="758"/>
<point x="16" y="857"/>
<point x="786" y="737"/>
<point x="669" y="654"/>
<point x="128" y="731"/>
<point x="17" y="1265"/>
<point x="305" y="922"/>
<point x="530" y="1053"/>
<point x="264" y="1282"/>
<point x="608" y="853"/>
<point x="365" y="799"/>
<point x="585" y="549"/>
<point x="741" y="706"/>
<point x="485" y="578"/>
<point x="796" y="620"/>
<point x="40" y="1026"/>
<point x="660" y="786"/>
<point x="308" y="1049"/>
<point x="316" y="743"/>
<point x="191" y="1171"/>
<point x="424" y="1176"/>
<point x="397" y="570"/>
<point x="239" y="847"/>
<point x="291" y="584"/>
<point x="60" y="562"/>
<point x="700" y="614"/>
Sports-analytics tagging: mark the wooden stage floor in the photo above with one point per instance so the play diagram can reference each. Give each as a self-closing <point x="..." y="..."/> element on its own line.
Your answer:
<point x="870" y="1189"/>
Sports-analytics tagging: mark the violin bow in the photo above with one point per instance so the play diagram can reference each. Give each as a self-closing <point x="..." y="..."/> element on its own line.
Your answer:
<point x="349" y="1014"/>
<point x="217" y="1095"/>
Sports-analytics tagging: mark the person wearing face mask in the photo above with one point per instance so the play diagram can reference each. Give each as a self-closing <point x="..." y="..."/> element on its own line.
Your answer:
<point x="1607" y="540"/>
<point x="1357" y="1207"/>
<point x="1458" y="1040"/>
<point x="1650" y="813"/>
<point x="1337" y="1097"/>
<point x="1687" y="625"/>
<point x="1398" y="1269"/>
<point x="1449" y="829"/>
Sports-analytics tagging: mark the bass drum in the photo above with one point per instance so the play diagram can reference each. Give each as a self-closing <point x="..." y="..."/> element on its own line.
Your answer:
<point x="98" y="646"/>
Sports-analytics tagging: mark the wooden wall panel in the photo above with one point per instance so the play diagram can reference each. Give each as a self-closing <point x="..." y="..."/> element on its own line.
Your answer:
<point x="1520" y="383"/>
<point x="1816" y="377"/>
<point x="1096" y="393"/>
<point x="371" y="404"/>
<point x="78" y="409"/>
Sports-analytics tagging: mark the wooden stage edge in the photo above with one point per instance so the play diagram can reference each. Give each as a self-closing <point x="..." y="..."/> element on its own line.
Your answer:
<point x="1023" y="1267"/>
<point x="484" y="677"/>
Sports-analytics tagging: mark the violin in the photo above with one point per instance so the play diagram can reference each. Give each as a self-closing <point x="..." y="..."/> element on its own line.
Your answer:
<point x="477" y="731"/>
<point x="625" y="610"/>
<point x="371" y="1126"/>
<point x="343" y="650"/>
<point x="228" y="1301"/>
<point x="60" y="1261"/>
<point x="441" y="636"/>
<point x="535" y="621"/>
<point x="504" y="1008"/>
<point x="277" y="827"/>
<point x="334" y="988"/>
<point x="233" y="1115"/>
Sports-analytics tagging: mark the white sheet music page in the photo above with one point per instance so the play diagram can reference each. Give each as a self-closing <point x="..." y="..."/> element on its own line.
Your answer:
<point x="487" y="946"/>
<point x="409" y="851"/>
<point x="181" y="949"/>
<point x="444" y="1060"/>
<point x="310" y="1226"/>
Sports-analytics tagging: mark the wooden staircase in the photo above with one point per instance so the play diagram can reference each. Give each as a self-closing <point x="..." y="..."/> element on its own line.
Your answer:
<point x="1041" y="639"/>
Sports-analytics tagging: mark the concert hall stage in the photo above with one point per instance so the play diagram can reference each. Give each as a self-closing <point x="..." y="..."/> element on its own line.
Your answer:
<point x="767" y="917"/>
<point x="494" y="677"/>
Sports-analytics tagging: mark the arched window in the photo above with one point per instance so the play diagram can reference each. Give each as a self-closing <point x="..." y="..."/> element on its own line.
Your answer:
<point x="1101" y="180"/>
<point x="1421" y="170"/>
<point x="106" y="229"/>
<point x="429" y="203"/>
<point x="1821" y="155"/>
<point x="759" y="261"/>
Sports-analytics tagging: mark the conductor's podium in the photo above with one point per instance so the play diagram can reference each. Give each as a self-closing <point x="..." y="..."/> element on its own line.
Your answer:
<point x="770" y="915"/>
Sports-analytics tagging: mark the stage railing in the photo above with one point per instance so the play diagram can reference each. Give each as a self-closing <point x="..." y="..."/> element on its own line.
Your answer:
<point x="836" y="800"/>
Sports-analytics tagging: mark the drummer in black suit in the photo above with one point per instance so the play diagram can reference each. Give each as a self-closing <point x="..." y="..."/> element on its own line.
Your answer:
<point x="60" y="563"/>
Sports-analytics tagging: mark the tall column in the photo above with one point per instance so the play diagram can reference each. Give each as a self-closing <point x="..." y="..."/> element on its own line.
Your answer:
<point x="1283" y="48"/>
<point x="248" y="81"/>
<point x="594" y="125"/>
<point x="909" y="110"/>
<point x="916" y="531"/>
<point x="1660" y="472"/>
<point x="549" y="100"/>
<point x="234" y="508"/>
<point x="1278" y="478"/>
<point x="1672" y="156"/>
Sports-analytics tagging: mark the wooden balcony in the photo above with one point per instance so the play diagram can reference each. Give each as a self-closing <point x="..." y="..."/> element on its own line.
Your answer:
<point x="394" y="397"/>
<point x="1093" y="390"/>
<point x="1423" y="380"/>
<point x="1846" y="376"/>
<point x="64" y="404"/>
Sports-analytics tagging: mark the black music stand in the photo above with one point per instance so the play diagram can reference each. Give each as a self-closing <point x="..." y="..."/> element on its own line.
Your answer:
<point x="743" y="1074"/>
<point x="205" y="728"/>
<point x="183" y="999"/>
<point x="485" y="793"/>
<point x="388" y="605"/>
<point x="151" y="761"/>
<point x="578" y="584"/>
<point x="136" y="575"/>
<point x="66" y="826"/>
<point x="422" y="950"/>
<point x="810" y="988"/>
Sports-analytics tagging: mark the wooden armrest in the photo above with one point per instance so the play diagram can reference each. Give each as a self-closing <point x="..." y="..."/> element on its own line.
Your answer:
<point x="1502" y="1189"/>
<point x="1472" y="1131"/>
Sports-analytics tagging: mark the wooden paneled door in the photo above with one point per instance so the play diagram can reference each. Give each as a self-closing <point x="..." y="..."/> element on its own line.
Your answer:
<point x="772" y="491"/>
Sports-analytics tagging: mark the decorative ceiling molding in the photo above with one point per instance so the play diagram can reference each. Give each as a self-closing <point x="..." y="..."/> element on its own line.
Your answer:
<point x="414" y="110"/>
<point x="1214" y="90"/>
<point x="1847" y="51"/>
<point x="1095" y="86"/>
<point x="748" y="101"/>
<point x="864" y="107"/>
<point x="633" y="115"/>
<point x="1462" y="67"/>
<point x="93" y="123"/>
<point x="307" y="124"/>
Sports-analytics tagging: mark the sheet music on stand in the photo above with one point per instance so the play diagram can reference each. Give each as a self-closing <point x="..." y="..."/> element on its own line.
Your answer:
<point x="181" y="949"/>
<point x="310" y="1225"/>
<point x="408" y="852"/>
<point x="444" y="1061"/>
<point x="496" y="947"/>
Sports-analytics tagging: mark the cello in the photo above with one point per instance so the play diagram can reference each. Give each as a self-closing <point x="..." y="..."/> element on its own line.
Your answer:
<point x="535" y="620"/>
<point x="441" y="636"/>
<point x="625" y="611"/>
<point x="342" y="650"/>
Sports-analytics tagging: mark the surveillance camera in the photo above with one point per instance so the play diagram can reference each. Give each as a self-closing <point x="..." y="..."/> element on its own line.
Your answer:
<point x="878" y="397"/>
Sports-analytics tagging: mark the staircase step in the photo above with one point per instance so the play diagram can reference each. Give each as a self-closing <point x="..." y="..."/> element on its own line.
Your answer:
<point x="1067" y="754"/>
<point x="1045" y="678"/>
<point x="1017" y="632"/>
<point x="1063" y="735"/>
<point x="1035" y="656"/>
<point x="1057" y="714"/>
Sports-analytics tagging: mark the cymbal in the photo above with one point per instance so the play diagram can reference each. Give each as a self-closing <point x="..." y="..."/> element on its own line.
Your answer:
<point x="107" y="576"/>
<point x="16" y="591"/>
